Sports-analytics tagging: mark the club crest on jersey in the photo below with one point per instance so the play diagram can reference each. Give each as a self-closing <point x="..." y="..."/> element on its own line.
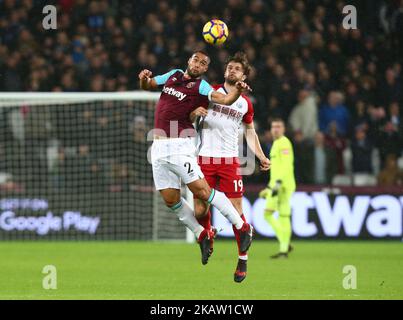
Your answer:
<point x="190" y="85"/>
<point x="239" y="105"/>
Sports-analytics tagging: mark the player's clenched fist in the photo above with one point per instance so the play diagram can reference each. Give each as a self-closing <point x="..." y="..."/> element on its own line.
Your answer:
<point x="145" y="74"/>
<point x="199" y="112"/>
<point x="265" y="164"/>
<point x="242" y="86"/>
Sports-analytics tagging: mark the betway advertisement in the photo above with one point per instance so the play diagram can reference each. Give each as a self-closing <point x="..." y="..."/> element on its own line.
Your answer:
<point x="318" y="215"/>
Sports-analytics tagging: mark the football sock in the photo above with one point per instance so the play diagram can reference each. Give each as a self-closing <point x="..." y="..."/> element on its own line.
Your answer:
<point x="224" y="205"/>
<point x="285" y="222"/>
<point x="238" y="240"/>
<point x="186" y="216"/>
<point x="205" y="221"/>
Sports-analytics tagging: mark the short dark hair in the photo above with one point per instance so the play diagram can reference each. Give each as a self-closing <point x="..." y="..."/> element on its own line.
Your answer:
<point x="277" y="119"/>
<point x="202" y="52"/>
<point x="240" y="57"/>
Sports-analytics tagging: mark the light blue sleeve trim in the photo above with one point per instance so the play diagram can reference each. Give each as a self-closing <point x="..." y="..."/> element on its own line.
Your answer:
<point x="205" y="89"/>
<point x="161" y="79"/>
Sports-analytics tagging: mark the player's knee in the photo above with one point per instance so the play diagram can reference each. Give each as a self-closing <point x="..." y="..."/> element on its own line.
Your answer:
<point x="203" y="193"/>
<point x="268" y="212"/>
<point x="170" y="202"/>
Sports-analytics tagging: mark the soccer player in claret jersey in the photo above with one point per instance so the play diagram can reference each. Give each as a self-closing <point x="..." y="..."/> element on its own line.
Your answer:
<point x="173" y="153"/>
<point x="219" y="129"/>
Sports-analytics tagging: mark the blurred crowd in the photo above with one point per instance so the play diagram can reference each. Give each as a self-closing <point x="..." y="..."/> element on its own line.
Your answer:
<point x="337" y="90"/>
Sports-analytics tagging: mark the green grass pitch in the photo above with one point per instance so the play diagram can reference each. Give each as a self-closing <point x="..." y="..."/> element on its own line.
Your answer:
<point x="147" y="270"/>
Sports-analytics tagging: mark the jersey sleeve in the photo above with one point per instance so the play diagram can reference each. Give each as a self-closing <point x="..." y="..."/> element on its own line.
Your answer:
<point x="248" y="117"/>
<point x="162" y="79"/>
<point x="204" y="102"/>
<point x="205" y="89"/>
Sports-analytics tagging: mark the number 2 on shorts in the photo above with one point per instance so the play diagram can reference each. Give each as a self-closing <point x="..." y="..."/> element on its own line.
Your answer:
<point x="187" y="164"/>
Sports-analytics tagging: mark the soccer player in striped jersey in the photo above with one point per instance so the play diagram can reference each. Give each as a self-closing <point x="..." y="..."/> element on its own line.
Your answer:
<point x="220" y="127"/>
<point x="173" y="153"/>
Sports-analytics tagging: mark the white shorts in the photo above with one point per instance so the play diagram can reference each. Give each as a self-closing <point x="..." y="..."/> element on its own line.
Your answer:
<point x="173" y="161"/>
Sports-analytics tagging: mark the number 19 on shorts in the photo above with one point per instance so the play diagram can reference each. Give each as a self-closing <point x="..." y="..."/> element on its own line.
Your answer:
<point x="238" y="185"/>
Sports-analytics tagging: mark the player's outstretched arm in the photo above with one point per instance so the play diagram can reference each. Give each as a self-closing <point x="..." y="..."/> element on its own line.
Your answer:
<point x="253" y="142"/>
<point x="230" y="98"/>
<point x="146" y="82"/>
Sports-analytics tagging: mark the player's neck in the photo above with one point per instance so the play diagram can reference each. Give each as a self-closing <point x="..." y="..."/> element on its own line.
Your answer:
<point x="229" y="87"/>
<point x="187" y="76"/>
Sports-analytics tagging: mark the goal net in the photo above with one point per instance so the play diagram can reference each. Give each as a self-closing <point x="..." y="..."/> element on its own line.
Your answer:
<point x="75" y="166"/>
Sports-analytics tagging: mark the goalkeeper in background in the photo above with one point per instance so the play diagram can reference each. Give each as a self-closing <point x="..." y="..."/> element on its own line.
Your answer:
<point x="280" y="188"/>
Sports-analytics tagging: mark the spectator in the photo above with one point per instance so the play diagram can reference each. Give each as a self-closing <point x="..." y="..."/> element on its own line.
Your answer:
<point x="122" y="178"/>
<point x="338" y="144"/>
<point x="334" y="112"/>
<point x="324" y="161"/>
<point x="303" y="153"/>
<point x="352" y="95"/>
<point x="361" y="149"/>
<point x="97" y="177"/>
<point x="390" y="88"/>
<point x="12" y="77"/>
<point x="360" y="115"/>
<point x="57" y="172"/>
<point x="391" y="133"/>
<point x="304" y="116"/>
<point x="390" y="175"/>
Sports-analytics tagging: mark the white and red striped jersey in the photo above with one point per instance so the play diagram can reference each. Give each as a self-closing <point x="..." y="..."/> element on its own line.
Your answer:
<point x="220" y="129"/>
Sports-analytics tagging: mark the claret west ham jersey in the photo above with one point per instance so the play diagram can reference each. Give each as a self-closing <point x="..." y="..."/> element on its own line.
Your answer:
<point x="178" y="99"/>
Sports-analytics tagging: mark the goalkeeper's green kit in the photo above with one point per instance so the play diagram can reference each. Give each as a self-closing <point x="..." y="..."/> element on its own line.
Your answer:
<point x="280" y="189"/>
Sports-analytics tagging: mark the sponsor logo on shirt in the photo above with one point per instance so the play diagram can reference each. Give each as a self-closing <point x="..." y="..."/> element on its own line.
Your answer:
<point x="175" y="93"/>
<point x="231" y="113"/>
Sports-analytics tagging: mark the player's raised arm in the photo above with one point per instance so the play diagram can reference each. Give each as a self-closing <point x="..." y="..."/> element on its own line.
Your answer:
<point x="230" y="98"/>
<point x="146" y="82"/>
<point x="149" y="83"/>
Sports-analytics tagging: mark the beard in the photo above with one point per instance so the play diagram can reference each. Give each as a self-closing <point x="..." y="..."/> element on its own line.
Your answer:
<point x="231" y="80"/>
<point x="192" y="74"/>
